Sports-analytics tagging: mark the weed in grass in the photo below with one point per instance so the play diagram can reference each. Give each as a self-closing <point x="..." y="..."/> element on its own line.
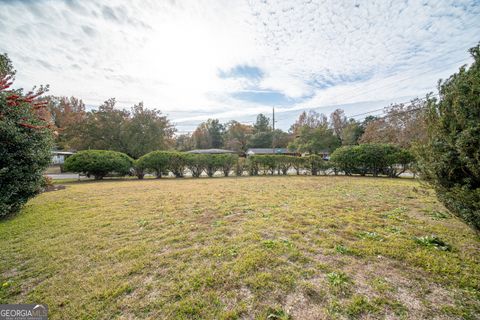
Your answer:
<point x="394" y="229"/>
<point x="388" y="303"/>
<point x="287" y="243"/>
<point x="142" y="223"/>
<point x="278" y="314"/>
<point x="335" y="307"/>
<point x="337" y="279"/>
<point x="433" y="242"/>
<point x="359" y="305"/>
<point x="370" y="236"/>
<point x="440" y="215"/>
<point x="396" y="214"/>
<point x="218" y="223"/>
<point x="342" y="249"/>
<point x="270" y="244"/>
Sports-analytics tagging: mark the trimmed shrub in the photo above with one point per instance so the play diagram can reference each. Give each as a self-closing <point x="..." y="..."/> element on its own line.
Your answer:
<point x="99" y="163"/>
<point x="154" y="162"/>
<point x="298" y="163"/>
<point x="227" y="162"/>
<point x="252" y="165"/>
<point x="372" y="159"/>
<point x="213" y="164"/>
<point x="267" y="164"/>
<point x="177" y="161"/>
<point x="196" y="163"/>
<point x="284" y="163"/>
<point x="316" y="165"/>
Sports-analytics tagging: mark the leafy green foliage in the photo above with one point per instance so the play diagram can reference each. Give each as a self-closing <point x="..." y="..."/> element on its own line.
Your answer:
<point x="372" y="159"/>
<point x="176" y="163"/>
<point x="315" y="140"/>
<point x="433" y="242"/>
<point x="196" y="163"/>
<point x="316" y="164"/>
<point x="25" y="142"/>
<point x="99" y="163"/>
<point x="155" y="162"/>
<point x="134" y="132"/>
<point x="450" y="160"/>
<point x="337" y="279"/>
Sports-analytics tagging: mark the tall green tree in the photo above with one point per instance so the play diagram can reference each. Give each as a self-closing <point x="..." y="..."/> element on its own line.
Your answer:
<point x="450" y="158"/>
<point x="102" y="129"/>
<point x="26" y="139"/>
<point x="262" y="124"/>
<point x="147" y="130"/>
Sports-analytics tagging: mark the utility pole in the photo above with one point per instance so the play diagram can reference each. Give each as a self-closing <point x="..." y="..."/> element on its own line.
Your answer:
<point x="273" y="132"/>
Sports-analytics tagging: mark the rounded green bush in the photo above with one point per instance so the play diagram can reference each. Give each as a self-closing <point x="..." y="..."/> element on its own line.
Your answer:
<point x="99" y="163"/>
<point x="156" y="162"/>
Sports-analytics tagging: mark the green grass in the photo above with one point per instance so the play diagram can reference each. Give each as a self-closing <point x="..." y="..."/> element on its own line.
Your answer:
<point x="235" y="248"/>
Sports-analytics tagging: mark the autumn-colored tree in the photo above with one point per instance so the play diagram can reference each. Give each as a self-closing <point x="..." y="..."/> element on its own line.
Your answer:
<point x="338" y="121"/>
<point x="66" y="114"/>
<point x="134" y="132"/>
<point x="312" y="119"/>
<point x="26" y="139"/>
<point x="403" y="125"/>
<point x="237" y="135"/>
<point x="209" y="134"/>
<point x="184" y="142"/>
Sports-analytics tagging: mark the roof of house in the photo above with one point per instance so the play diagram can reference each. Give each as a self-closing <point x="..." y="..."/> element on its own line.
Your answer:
<point x="211" y="151"/>
<point x="269" y="151"/>
<point x="62" y="152"/>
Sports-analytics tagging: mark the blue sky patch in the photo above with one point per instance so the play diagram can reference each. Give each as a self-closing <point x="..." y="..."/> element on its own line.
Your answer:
<point x="243" y="71"/>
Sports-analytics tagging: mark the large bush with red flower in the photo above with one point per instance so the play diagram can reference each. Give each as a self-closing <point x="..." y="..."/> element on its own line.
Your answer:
<point x="25" y="141"/>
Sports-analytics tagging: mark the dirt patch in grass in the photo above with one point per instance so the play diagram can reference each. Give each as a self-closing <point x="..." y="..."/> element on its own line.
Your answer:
<point x="241" y="248"/>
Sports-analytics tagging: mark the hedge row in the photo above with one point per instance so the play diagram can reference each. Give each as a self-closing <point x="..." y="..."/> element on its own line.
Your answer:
<point x="364" y="159"/>
<point x="162" y="162"/>
<point x="372" y="159"/>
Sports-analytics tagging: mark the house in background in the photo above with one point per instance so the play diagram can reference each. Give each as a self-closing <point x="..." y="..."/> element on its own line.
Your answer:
<point x="271" y="151"/>
<point x="211" y="151"/>
<point x="58" y="157"/>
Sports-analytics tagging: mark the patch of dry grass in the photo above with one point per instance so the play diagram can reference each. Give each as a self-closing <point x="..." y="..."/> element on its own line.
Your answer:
<point x="235" y="248"/>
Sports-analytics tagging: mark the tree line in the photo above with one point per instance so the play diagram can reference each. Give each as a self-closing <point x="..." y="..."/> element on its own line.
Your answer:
<point x="139" y="130"/>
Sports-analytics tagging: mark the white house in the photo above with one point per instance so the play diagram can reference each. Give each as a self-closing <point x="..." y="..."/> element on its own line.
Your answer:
<point x="58" y="157"/>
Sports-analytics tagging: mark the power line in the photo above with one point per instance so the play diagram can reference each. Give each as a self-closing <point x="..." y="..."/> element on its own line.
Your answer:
<point x="384" y="109"/>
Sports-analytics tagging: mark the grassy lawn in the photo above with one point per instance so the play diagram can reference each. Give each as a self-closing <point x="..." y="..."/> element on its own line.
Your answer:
<point x="228" y="248"/>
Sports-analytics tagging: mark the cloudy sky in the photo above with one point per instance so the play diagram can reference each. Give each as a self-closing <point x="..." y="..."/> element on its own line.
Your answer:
<point x="233" y="59"/>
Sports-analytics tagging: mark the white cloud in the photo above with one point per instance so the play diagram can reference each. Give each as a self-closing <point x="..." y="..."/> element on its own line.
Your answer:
<point x="169" y="54"/>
